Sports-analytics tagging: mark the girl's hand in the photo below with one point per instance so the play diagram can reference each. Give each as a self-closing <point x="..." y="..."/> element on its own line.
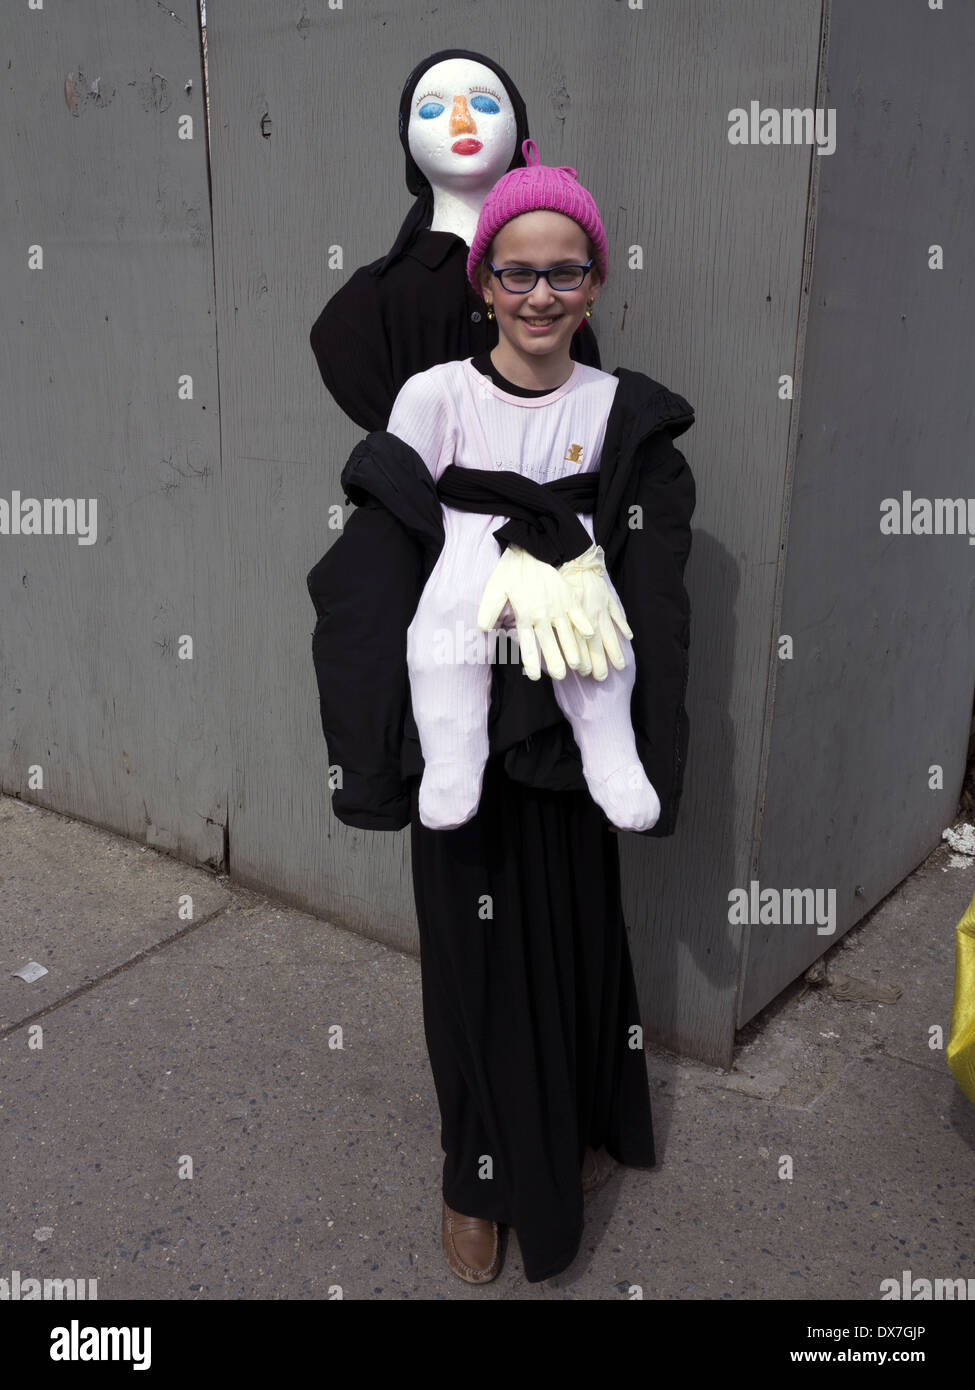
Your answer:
<point x="544" y="603"/>
<point x="586" y="575"/>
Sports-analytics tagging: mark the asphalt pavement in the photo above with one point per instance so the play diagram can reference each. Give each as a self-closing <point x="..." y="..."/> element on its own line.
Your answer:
<point x="179" y="1121"/>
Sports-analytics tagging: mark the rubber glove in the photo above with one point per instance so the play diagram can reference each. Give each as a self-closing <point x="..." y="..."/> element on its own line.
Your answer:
<point x="586" y="575"/>
<point x="544" y="603"/>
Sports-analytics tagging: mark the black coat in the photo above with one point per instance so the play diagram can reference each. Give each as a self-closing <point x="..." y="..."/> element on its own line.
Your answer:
<point x="367" y="586"/>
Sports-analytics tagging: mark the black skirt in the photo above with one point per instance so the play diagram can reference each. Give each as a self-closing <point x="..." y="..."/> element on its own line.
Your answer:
<point x="529" y="1009"/>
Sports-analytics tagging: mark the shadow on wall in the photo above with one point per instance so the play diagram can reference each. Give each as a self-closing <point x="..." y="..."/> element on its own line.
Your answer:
<point x="704" y="943"/>
<point x="966" y="806"/>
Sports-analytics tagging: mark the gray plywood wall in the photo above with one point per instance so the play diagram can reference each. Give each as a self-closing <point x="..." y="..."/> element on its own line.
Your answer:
<point x="878" y="693"/>
<point x="108" y="324"/>
<point x="213" y="509"/>
<point x="638" y="103"/>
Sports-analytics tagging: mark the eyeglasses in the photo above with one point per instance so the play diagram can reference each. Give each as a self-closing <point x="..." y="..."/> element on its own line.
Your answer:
<point x="521" y="279"/>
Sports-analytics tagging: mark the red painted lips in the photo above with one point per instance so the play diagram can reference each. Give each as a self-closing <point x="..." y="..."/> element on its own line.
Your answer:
<point x="466" y="146"/>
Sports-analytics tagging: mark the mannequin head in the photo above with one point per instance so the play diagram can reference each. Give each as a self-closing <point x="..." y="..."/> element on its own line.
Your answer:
<point x="538" y="239"/>
<point x="447" y="210"/>
<point x="462" y="127"/>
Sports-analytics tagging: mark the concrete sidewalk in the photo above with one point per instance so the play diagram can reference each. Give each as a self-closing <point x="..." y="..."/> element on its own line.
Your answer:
<point x="314" y="1166"/>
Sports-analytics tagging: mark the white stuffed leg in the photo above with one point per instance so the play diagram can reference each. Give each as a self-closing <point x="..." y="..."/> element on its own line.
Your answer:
<point x="599" y="713"/>
<point x="450" y="682"/>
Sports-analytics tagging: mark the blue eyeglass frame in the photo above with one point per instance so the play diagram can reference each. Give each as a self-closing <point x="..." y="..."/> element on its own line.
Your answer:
<point x="584" y="266"/>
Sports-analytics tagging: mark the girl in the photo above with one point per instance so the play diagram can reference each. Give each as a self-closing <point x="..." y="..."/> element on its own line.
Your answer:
<point x="528" y="994"/>
<point x="530" y="1008"/>
<point x="449" y="416"/>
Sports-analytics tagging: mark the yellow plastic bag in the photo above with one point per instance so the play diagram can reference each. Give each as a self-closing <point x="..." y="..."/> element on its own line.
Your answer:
<point x="960" y="1053"/>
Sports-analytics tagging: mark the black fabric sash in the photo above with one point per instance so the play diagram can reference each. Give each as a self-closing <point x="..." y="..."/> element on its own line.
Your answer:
<point x="543" y="515"/>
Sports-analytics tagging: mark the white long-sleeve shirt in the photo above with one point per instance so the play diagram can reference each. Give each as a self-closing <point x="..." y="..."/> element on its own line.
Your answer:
<point x="452" y="413"/>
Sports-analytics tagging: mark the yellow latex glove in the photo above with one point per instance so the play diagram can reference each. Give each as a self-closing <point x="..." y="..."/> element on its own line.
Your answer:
<point x="586" y="575"/>
<point x="544" y="603"/>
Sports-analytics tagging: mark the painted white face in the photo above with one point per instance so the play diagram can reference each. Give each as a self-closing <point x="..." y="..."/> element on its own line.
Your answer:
<point x="462" y="127"/>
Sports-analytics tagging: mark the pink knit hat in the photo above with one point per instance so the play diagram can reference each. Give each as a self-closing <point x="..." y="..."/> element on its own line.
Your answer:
<point x="528" y="189"/>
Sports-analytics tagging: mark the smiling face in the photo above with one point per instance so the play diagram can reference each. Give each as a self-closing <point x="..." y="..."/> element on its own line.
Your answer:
<point x="462" y="127"/>
<point x="538" y="239"/>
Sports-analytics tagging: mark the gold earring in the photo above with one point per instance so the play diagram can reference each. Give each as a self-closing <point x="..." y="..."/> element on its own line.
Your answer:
<point x="490" y="314"/>
<point x="589" y="311"/>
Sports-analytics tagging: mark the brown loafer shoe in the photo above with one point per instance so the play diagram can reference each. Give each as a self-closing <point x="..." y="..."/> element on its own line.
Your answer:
<point x="590" y="1171"/>
<point x="472" y="1246"/>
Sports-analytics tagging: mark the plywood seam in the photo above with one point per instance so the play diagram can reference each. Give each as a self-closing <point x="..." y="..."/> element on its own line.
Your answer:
<point x="792" y="449"/>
